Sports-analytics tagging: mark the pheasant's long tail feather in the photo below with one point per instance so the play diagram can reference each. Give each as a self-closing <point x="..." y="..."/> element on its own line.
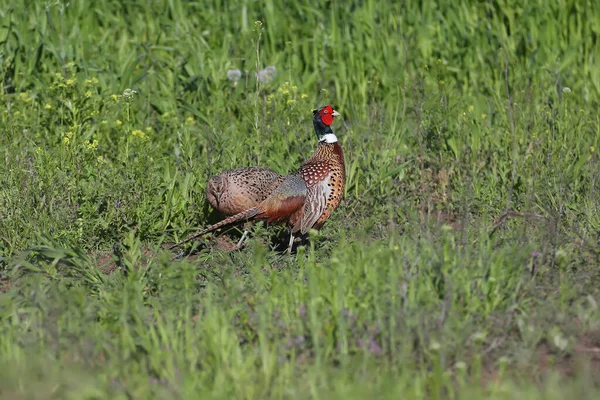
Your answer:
<point x="251" y="212"/>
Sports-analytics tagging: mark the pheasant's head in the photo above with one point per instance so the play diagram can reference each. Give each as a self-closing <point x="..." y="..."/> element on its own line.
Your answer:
<point x="322" y="120"/>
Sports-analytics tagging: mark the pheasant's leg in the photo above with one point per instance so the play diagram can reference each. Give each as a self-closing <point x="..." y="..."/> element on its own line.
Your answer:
<point x="239" y="244"/>
<point x="247" y="226"/>
<point x="291" y="244"/>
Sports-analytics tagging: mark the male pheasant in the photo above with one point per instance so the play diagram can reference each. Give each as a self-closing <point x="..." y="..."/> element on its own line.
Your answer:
<point x="305" y="199"/>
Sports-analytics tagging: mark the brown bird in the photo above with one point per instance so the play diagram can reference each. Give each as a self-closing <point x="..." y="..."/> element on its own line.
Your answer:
<point x="307" y="198"/>
<point x="239" y="189"/>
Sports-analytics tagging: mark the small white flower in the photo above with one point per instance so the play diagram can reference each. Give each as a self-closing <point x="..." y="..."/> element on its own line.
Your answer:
<point x="560" y="342"/>
<point x="128" y="94"/>
<point x="566" y="90"/>
<point x="234" y="75"/>
<point x="460" y="365"/>
<point x="267" y="74"/>
<point x="503" y="360"/>
<point x="478" y="337"/>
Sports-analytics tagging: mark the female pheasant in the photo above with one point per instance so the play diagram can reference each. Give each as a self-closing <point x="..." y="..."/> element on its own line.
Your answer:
<point x="239" y="189"/>
<point x="307" y="198"/>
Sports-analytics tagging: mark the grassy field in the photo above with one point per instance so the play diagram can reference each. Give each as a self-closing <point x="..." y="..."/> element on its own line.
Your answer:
<point x="464" y="261"/>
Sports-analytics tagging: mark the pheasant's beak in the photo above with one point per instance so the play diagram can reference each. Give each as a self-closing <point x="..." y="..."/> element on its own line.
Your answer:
<point x="335" y="114"/>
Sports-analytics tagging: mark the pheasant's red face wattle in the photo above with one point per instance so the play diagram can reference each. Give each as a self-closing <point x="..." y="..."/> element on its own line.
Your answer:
<point x="326" y="115"/>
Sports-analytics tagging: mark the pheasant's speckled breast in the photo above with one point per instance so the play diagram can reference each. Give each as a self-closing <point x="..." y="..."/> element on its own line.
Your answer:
<point x="325" y="169"/>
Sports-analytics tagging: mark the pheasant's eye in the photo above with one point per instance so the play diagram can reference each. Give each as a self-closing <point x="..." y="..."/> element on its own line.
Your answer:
<point x="326" y="112"/>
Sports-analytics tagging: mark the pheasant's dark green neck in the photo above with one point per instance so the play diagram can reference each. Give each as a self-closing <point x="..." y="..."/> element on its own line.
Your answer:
<point x="321" y="129"/>
<point x="327" y="129"/>
<point x="324" y="132"/>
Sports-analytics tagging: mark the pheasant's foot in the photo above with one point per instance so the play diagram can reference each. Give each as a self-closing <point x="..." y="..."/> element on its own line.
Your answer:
<point x="291" y="244"/>
<point x="239" y="244"/>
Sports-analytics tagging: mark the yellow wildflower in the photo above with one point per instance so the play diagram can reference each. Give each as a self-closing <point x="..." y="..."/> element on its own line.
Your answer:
<point x="304" y="96"/>
<point x="70" y="82"/>
<point x="24" y="97"/>
<point x="189" y="121"/>
<point x="48" y="106"/>
<point x="88" y="94"/>
<point x="139" y="133"/>
<point x="92" y="145"/>
<point x="118" y="122"/>
<point x="67" y="138"/>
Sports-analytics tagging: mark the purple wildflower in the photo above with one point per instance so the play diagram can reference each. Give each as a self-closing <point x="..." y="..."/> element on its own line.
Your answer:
<point x="374" y="348"/>
<point x="302" y="310"/>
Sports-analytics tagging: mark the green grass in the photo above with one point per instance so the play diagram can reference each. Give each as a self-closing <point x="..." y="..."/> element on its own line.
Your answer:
<point x="464" y="261"/>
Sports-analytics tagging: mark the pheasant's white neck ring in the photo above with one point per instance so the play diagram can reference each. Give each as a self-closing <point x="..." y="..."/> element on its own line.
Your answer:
<point x="328" y="138"/>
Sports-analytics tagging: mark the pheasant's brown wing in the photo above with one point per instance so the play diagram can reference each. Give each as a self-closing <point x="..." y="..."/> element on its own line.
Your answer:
<point x="316" y="174"/>
<point x="285" y="200"/>
<point x="314" y="206"/>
